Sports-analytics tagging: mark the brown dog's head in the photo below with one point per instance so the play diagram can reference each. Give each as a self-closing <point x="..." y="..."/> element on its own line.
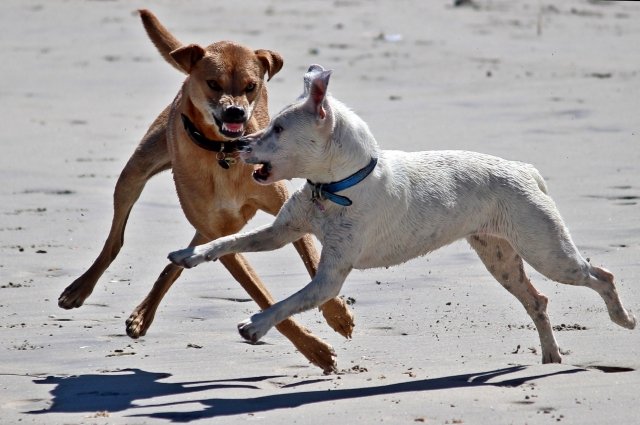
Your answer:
<point x="225" y="82"/>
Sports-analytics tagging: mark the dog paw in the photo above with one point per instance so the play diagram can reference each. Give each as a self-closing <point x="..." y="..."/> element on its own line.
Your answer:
<point x="624" y="319"/>
<point x="551" y="356"/>
<point x="338" y="316"/>
<point x="191" y="257"/>
<point x="73" y="296"/>
<point x="137" y="324"/>
<point x="252" y="329"/>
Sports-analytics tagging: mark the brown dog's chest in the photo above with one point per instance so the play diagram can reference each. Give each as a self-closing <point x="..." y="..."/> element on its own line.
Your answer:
<point x="213" y="197"/>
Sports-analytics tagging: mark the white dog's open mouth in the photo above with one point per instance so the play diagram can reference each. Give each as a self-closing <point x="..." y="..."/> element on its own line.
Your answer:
<point x="262" y="172"/>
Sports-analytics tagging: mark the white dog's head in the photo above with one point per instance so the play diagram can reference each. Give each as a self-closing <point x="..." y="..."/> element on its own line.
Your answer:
<point x="316" y="138"/>
<point x="296" y="142"/>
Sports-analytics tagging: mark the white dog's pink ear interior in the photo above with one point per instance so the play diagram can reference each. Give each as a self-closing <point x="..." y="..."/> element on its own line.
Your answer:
<point x="317" y="93"/>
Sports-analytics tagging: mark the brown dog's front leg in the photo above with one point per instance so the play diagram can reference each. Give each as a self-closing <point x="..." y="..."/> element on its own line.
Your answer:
<point x="150" y="158"/>
<point x="142" y="316"/>
<point x="75" y="294"/>
<point x="313" y="348"/>
<point x="335" y="311"/>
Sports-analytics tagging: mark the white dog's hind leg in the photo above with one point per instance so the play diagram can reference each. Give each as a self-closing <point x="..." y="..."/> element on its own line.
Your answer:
<point x="544" y="242"/>
<point x="596" y="278"/>
<point x="601" y="281"/>
<point x="506" y="266"/>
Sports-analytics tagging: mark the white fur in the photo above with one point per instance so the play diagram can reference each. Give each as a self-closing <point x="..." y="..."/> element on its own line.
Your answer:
<point x="411" y="204"/>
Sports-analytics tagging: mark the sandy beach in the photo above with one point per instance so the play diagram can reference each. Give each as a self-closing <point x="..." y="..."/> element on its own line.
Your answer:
<point x="437" y="340"/>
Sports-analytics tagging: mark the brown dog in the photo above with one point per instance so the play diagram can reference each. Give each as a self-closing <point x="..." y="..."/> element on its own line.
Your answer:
<point x="222" y="98"/>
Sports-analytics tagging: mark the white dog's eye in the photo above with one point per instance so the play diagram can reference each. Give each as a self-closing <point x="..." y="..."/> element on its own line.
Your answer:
<point x="277" y="129"/>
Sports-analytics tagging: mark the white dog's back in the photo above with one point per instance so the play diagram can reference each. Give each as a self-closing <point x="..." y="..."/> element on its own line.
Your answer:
<point x="421" y="201"/>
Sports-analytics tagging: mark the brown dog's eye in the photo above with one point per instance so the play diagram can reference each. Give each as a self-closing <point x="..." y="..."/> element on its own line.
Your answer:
<point x="250" y="87"/>
<point x="213" y="85"/>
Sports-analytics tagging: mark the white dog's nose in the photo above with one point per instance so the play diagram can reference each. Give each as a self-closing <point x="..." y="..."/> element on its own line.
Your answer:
<point x="243" y="144"/>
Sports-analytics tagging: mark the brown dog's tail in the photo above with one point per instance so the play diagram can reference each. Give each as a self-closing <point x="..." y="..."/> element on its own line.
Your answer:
<point x="164" y="41"/>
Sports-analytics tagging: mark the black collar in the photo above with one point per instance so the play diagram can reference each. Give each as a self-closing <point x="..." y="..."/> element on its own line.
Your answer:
<point x="212" y="145"/>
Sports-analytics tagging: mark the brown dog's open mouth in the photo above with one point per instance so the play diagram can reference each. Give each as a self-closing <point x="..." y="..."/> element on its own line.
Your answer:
<point x="230" y="129"/>
<point x="262" y="172"/>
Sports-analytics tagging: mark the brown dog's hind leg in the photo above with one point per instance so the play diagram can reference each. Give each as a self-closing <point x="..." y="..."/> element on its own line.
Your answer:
<point x="150" y="158"/>
<point x="504" y="263"/>
<point x="338" y="316"/>
<point x="313" y="348"/>
<point x="335" y="311"/>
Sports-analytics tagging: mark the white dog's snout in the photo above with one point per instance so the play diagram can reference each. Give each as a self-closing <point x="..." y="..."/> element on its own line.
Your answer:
<point x="243" y="146"/>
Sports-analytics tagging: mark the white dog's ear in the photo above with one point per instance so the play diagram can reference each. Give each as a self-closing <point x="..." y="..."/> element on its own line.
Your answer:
<point x="313" y="69"/>
<point x="317" y="93"/>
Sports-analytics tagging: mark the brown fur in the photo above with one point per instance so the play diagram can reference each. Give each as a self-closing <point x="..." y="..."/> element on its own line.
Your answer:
<point x="216" y="201"/>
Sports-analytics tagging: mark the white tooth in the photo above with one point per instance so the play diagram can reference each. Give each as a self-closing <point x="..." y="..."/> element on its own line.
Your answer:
<point x="226" y="127"/>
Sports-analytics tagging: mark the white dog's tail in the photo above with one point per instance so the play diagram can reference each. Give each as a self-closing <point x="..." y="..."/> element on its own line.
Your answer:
<point x="538" y="178"/>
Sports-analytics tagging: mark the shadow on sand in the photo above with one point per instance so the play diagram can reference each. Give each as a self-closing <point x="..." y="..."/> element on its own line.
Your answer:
<point x="116" y="392"/>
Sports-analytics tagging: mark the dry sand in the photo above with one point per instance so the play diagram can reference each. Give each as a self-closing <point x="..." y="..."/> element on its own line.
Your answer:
<point x="437" y="340"/>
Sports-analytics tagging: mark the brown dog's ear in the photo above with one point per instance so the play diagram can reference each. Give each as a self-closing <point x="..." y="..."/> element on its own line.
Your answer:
<point x="187" y="56"/>
<point x="271" y="61"/>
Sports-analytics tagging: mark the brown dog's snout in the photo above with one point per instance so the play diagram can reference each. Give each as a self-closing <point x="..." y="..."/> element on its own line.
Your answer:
<point x="234" y="114"/>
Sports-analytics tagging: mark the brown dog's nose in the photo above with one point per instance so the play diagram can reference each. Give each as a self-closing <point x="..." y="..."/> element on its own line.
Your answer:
<point x="234" y="114"/>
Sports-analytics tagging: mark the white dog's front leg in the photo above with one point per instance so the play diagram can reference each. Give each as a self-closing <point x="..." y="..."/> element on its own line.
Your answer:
<point x="324" y="286"/>
<point x="194" y="255"/>
<point x="265" y="238"/>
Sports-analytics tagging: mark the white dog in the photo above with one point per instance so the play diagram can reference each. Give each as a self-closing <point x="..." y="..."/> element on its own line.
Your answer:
<point x="394" y="206"/>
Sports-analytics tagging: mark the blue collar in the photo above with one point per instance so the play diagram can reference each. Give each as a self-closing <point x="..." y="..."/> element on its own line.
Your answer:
<point x="328" y="190"/>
